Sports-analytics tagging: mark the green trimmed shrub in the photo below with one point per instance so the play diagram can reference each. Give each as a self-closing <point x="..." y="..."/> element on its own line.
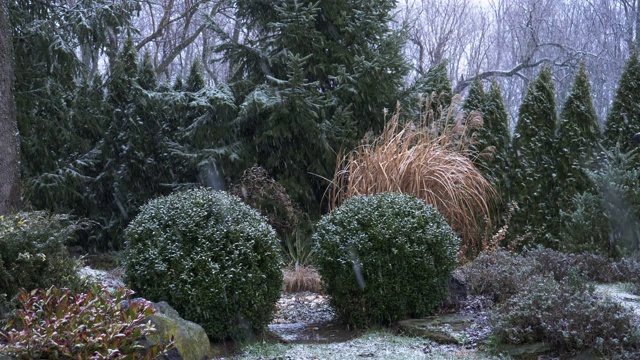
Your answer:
<point x="385" y="257"/>
<point x="33" y="252"/>
<point x="59" y="324"/>
<point x="210" y="256"/>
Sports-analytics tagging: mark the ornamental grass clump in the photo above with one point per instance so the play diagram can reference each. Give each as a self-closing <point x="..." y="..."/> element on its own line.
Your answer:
<point x="384" y="257"/>
<point x="430" y="159"/>
<point x="211" y="257"/>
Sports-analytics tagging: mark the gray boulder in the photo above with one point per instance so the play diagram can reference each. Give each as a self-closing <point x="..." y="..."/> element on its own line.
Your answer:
<point x="457" y="289"/>
<point x="190" y="340"/>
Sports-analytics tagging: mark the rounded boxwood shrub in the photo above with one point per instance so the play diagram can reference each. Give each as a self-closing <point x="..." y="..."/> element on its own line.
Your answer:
<point x="210" y="256"/>
<point x="385" y="257"/>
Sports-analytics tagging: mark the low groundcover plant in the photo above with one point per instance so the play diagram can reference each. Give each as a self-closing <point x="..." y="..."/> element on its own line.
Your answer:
<point x="58" y="324"/>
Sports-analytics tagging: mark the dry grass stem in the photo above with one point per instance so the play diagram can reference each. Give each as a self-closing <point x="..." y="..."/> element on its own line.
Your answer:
<point x="430" y="159"/>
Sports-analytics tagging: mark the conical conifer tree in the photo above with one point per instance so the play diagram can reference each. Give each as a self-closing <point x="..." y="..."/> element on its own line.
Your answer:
<point x="195" y="80"/>
<point x="496" y="122"/>
<point x="623" y="119"/>
<point x="474" y="108"/>
<point x="475" y="98"/>
<point x="178" y="84"/>
<point x="132" y="165"/>
<point x="533" y="163"/>
<point x="578" y="137"/>
<point x="147" y="75"/>
<point x="436" y="86"/>
<point x="491" y="141"/>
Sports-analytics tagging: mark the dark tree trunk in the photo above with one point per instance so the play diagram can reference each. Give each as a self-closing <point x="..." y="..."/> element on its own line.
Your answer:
<point x="9" y="148"/>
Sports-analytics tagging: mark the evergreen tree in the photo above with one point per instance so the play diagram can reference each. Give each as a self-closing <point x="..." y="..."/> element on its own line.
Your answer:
<point x="195" y="80"/>
<point x="491" y="140"/>
<point x="436" y="87"/>
<point x="533" y="163"/>
<point x="147" y="75"/>
<point x="315" y="79"/>
<point x="624" y="118"/>
<point x="134" y="164"/>
<point x="577" y="140"/>
<point x="473" y="107"/>
<point x="178" y="84"/>
<point x="495" y="135"/>
<point x="475" y="98"/>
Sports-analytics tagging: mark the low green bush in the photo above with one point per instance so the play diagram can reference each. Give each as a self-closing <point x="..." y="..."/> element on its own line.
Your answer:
<point x="33" y="253"/>
<point x="59" y="324"/>
<point x="501" y="274"/>
<point x="210" y="256"/>
<point x="546" y="295"/>
<point x="385" y="257"/>
<point x="566" y="314"/>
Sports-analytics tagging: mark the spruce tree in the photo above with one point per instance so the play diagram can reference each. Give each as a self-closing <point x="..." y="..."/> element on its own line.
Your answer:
<point x="533" y="163"/>
<point x="623" y="119"/>
<point x="577" y="139"/>
<point x="178" y="84"/>
<point x="315" y="78"/>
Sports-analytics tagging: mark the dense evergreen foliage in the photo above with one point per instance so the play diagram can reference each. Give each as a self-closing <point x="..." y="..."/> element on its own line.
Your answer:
<point x="433" y="88"/>
<point x="495" y="138"/>
<point x="314" y="79"/>
<point x="490" y="142"/>
<point x="102" y="132"/>
<point x="623" y="119"/>
<point x="33" y="253"/>
<point x="577" y="141"/>
<point x="533" y="162"/>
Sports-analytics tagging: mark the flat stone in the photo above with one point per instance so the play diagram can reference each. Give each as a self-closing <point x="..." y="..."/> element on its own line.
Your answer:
<point x="444" y="329"/>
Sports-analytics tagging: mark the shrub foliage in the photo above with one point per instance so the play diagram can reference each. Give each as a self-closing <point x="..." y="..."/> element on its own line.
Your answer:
<point x="385" y="257"/>
<point x="33" y="252"/>
<point x="544" y="295"/>
<point x="58" y="324"/>
<point x="210" y="256"/>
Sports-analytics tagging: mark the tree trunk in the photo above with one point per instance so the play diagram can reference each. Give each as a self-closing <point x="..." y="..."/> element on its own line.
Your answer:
<point x="9" y="148"/>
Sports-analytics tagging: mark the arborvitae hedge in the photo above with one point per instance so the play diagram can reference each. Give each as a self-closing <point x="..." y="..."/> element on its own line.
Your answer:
<point x="533" y="157"/>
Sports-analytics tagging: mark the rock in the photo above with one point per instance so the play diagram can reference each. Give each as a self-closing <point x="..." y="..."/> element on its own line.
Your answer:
<point x="457" y="289"/>
<point x="444" y="329"/>
<point x="191" y="341"/>
<point x="524" y="350"/>
<point x="110" y="280"/>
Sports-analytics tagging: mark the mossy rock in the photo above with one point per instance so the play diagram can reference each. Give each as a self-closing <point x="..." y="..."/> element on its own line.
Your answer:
<point x="189" y="338"/>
